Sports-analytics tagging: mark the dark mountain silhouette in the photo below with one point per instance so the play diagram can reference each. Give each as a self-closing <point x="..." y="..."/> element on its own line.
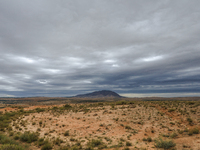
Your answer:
<point x="99" y="94"/>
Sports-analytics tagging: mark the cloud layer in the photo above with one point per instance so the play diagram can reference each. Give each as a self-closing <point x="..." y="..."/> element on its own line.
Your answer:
<point x="63" y="48"/>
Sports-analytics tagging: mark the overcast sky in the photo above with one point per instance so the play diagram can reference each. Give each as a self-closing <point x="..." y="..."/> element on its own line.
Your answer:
<point x="69" y="47"/>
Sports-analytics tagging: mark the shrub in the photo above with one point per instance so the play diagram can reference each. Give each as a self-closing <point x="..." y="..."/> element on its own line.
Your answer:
<point x="173" y="135"/>
<point x="128" y="143"/>
<point x="29" y="137"/>
<point x="66" y="133"/>
<point x="171" y="110"/>
<point x="47" y="146"/>
<point x="159" y="143"/>
<point x="72" y="139"/>
<point x="11" y="133"/>
<point x="57" y="141"/>
<point x="41" y="141"/>
<point x="16" y="137"/>
<point x="144" y="139"/>
<point x="121" y="103"/>
<point x="9" y="144"/>
<point x="6" y="140"/>
<point x="172" y="123"/>
<point x="128" y="127"/>
<point x="11" y="147"/>
<point x="64" y="148"/>
<point x="149" y="139"/>
<point x="40" y="123"/>
<point x="38" y="110"/>
<point x="96" y="143"/>
<point x="193" y="131"/>
<point x="67" y="106"/>
<point x="190" y="121"/>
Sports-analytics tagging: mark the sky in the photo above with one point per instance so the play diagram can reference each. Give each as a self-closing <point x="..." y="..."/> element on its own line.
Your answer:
<point x="69" y="47"/>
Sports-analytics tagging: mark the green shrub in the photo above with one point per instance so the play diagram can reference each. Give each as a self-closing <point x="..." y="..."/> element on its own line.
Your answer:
<point x="16" y="137"/>
<point x="64" y="148"/>
<point x="149" y="139"/>
<point x="191" y="103"/>
<point x="128" y="143"/>
<point x="66" y="133"/>
<point x="29" y="137"/>
<point x="41" y="141"/>
<point x="40" y="123"/>
<point x="193" y="131"/>
<point x="171" y="110"/>
<point x="6" y="140"/>
<point x="128" y="127"/>
<point x="47" y="146"/>
<point x="172" y="123"/>
<point x="67" y="106"/>
<point x="9" y="144"/>
<point x="173" y="135"/>
<point x="96" y="143"/>
<point x="11" y="133"/>
<point x="11" y="147"/>
<point x="121" y="103"/>
<point x="190" y="121"/>
<point x="159" y="143"/>
<point x="57" y="141"/>
<point x="144" y="139"/>
<point x="40" y="110"/>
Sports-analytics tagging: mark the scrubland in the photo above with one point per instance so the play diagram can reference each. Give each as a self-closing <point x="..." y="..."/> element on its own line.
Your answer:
<point x="122" y="125"/>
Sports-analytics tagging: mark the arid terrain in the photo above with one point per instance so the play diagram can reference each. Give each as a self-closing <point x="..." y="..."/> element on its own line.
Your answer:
<point x="123" y="125"/>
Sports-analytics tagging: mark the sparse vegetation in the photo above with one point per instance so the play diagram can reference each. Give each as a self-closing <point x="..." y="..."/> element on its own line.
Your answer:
<point x="101" y="125"/>
<point x="159" y="143"/>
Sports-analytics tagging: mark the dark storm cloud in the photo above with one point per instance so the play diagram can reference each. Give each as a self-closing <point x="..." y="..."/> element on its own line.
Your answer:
<point x="62" y="48"/>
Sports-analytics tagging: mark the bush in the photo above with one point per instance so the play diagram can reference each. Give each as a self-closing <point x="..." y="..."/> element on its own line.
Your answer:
<point x="66" y="133"/>
<point x="128" y="127"/>
<point x="193" y="131"/>
<point x="57" y="141"/>
<point x="121" y="103"/>
<point x="11" y="147"/>
<point x="16" y="137"/>
<point x="47" y="146"/>
<point x="171" y="110"/>
<point x="149" y="139"/>
<point x="29" y="137"/>
<point x="190" y="121"/>
<point x="159" y="143"/>
<point x="96" y="143"/>
<point x="67" y="106"/>
<point x="173" y="135"/>
<point x="38" y="110"/>
<point x="128" y="143"/>
<point x="9" y="144"/>
<point x="6" y="140"/>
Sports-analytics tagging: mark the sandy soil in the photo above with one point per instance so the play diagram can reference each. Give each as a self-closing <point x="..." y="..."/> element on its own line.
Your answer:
<point x="113" y="125"/>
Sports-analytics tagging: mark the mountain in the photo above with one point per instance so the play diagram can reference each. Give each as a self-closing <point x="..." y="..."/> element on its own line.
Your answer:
<point x="100" y="94"/>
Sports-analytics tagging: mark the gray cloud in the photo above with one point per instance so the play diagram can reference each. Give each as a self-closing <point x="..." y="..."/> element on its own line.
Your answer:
<point x="63" y="48"/>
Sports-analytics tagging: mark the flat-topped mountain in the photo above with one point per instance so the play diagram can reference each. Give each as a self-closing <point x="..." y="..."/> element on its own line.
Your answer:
<point x="99" y="94"/>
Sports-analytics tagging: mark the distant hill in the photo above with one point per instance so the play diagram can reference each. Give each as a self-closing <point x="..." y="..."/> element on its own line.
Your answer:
<point x="100" y="94"/>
